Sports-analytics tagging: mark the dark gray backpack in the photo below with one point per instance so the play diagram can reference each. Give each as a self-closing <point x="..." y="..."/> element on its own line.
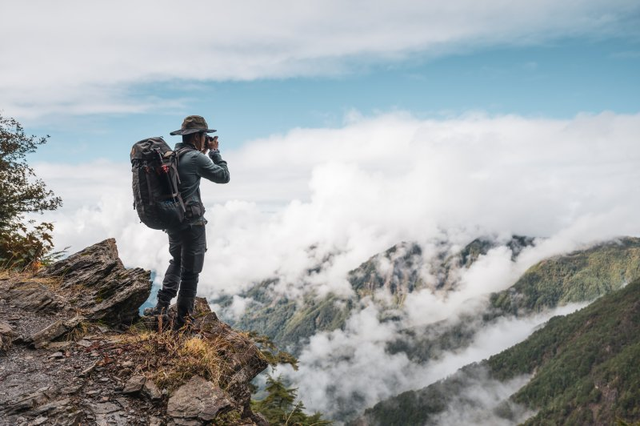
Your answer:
<point x="156" y="197"/>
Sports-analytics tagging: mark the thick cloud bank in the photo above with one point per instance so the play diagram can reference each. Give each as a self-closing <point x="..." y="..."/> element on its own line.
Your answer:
<point x="354" y="191"/>
<point x="85" y="58"/>
<point x="335" y="197"/>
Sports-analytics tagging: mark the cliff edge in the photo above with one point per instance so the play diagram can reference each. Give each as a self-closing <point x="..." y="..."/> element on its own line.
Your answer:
<point x="73" y="351"/>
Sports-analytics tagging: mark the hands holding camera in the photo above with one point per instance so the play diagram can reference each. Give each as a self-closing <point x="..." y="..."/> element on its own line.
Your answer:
<point x="210" y="143"/>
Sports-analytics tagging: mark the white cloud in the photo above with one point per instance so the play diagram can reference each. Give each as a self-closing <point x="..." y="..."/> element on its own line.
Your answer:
<point x="84" y="58"/>
<point x="380" y="180"/>
<point x="478" y="401"/>
<point x="352" y="367"/>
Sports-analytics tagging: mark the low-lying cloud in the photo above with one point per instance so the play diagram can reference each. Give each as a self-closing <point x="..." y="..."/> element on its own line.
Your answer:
<point x="345" y="371"/>
<point x="484" y="402"/>
<point x="378" y="181"/>
<point x="291" y="207"/>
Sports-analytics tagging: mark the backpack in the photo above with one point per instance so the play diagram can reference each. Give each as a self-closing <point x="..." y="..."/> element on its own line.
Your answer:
<point x="156" y="197"/>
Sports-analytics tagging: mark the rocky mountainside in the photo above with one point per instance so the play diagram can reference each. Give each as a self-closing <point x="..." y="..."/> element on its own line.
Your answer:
<point x="390" y="277"/>
<point x="72" y="352"/>
<point x="386" y="278"/>
<point x="577" y="277"/>
<point x="579" y="369"/>
<point x="582" y="276"/>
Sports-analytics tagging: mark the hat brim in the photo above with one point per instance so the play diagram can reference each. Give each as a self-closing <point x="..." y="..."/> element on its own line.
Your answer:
<point x="189" y="131"/>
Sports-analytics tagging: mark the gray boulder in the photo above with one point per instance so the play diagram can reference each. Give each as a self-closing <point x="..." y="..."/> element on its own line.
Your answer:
<point x="197" y="401"/>
<point x="96" y="281"/>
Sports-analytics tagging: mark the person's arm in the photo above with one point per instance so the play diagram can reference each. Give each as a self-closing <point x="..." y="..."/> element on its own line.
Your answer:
<point x="213" y="168"/>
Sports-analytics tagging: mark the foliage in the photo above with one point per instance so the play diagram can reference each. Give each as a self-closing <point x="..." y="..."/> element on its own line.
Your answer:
<point x="584" y="368"/>
<point x="271" y="353"/>
<point x="286" y="322"/>
<point x="279" y="407"/>
<point x="583" y="361"/>
<point x="576" y="277"/>
<point x="23" y="243"/>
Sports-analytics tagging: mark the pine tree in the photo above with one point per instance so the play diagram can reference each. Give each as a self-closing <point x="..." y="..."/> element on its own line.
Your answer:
<point x="279" y="409"/>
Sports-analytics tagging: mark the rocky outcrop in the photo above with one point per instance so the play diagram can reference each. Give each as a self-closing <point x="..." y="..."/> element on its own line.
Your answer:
<point x="96" y="281"/>
<point x="70" y="355"/>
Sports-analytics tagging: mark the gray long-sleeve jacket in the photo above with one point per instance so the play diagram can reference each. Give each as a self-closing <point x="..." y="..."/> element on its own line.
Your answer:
<point x="194" y="165"/>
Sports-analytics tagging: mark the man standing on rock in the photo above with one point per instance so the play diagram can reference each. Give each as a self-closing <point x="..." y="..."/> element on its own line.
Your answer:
<point x="187" y="244"/>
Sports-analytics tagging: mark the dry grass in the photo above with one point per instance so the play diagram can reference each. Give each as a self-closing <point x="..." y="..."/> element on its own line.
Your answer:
<point x="14" y="276"/>
<point x="170" y="359"/>
<point x="78" y="332"/>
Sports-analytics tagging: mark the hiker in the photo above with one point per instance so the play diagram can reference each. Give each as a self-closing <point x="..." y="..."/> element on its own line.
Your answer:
<point x="187" y="242"/>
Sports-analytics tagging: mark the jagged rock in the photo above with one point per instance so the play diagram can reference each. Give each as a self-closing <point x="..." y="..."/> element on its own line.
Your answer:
<point x="47" y="378"/>
<point x="54" y="331"/>
<point x="197" y="400"/>
<point x="52" y="407"/>
<point x="31" y="296"/>
<point x="155" y="421"/>
<point x="6" y="336"/>
<point x="134" y="384"/>
<point x="151" y="391"/>
<point x="96" y="281"/>
<point x="40" y="421"/>
<point x="26" y="402"/>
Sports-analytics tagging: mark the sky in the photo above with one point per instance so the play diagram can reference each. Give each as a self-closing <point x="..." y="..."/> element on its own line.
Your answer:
<point x="107" y="74"/>
<point x="348" y="127"/>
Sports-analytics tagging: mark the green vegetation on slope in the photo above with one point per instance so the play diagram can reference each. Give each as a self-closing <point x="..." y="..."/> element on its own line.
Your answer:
<point x="580" y="276"/>
<point x="397" y="272"/>
<point x="576" y="277"/>
<point x="584" y="366"/>
<point x="287" y="323"/>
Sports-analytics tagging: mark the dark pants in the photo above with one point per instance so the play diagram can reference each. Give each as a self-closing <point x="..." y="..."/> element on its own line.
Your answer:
<point x="187" y="247"/>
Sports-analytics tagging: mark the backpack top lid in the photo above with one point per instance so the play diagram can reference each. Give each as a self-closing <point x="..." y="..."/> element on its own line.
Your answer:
<point x="148" y="149"/>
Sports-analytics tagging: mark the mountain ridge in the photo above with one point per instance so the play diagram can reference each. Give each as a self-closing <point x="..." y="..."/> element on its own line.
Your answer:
<point x="583" y="367"/>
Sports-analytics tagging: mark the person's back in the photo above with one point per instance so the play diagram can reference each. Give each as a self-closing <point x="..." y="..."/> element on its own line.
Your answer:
<point x="187" y="244"/>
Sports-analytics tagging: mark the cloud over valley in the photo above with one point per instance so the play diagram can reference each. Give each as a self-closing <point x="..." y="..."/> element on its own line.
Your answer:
<point x="326" y="200"/>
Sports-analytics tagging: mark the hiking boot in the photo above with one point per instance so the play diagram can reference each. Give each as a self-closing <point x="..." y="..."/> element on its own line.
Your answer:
<point x="184" y="317"/>
<point x="159" y="309"/>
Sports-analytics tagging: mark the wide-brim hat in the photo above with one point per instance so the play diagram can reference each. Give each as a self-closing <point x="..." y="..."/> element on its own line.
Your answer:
<point x="193" y="124"/>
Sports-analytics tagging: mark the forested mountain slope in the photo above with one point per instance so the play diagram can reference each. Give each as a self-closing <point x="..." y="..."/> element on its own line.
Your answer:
<point x="576" y="277"/>
<point x="583" y="369"/>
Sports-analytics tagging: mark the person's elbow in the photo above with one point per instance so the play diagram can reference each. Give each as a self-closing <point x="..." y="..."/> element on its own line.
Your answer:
<point x="225" y="178"/>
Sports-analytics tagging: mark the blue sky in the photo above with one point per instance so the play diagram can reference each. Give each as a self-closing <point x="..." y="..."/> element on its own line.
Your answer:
<point x="557" y="80"/>
<point x="96" y="77"/>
